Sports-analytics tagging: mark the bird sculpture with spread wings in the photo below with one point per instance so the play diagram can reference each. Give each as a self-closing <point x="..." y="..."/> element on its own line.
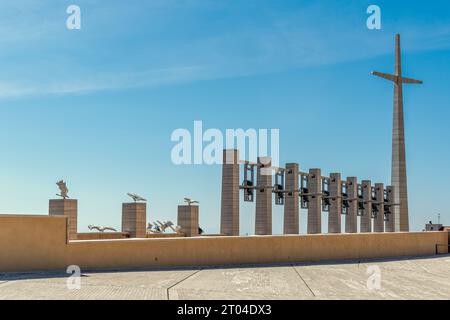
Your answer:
<point x="156" y="228"/>
<point x="136" y="198"/>
<point x="153" y="228"/>
<point x="189" y="201"/>
<point x="63" y="189"/>
<point x="161" y="227"/>
<point x="101" y="229"/>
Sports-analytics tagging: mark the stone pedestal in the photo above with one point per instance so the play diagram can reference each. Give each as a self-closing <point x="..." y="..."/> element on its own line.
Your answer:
<point x="229" y="216"/>
<point x="351" y="219"/>
<point x="366" y="219"/>
<point x="263" y="216"/>
<point x="291" y="205"/>
<point x="134" y="219"/>
<point x="378" y="222"/>
<point x="335" y="211"/>
<point x="188" y="220"/>
<point x="315" y="201"/>
<point x="68" y="208"/>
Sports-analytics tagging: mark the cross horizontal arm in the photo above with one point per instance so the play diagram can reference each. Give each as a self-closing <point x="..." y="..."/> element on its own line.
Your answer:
<point x="414" y="81"/>
<point x="386" y="76"/>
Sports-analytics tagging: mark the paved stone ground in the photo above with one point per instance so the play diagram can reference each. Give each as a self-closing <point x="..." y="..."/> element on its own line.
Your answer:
<point x="415" y="278"/>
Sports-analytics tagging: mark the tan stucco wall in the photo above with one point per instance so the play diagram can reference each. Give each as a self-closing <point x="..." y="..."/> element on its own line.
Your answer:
<point x="38" y="243"/>
<point x="235" y="250"/>
<point x="32" y="242"/>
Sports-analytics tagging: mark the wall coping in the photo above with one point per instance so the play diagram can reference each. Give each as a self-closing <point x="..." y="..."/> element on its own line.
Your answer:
<point x="252" y="237"/>
<point x="18" y="215"/>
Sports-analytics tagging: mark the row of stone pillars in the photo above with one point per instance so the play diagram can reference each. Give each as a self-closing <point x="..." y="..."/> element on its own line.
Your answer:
<point x="299" y="190"/>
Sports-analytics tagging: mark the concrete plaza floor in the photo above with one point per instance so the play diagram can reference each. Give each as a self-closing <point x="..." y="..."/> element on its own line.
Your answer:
<point x="413" y="278"/>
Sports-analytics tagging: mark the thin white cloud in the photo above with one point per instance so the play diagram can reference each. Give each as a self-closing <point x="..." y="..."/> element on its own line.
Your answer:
<point x="8" y="90"/>
<point x="104" y="82"/>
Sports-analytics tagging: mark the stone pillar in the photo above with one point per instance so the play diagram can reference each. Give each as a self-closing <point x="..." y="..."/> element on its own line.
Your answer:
<point x="366" y="219"/>
<point x="263" y="216"/>
<point x="229" y="216"/>
<point x="390" y="224"/>
<point x="68" y="208"/>
<point x="134" y="219"/>
<point x="315" y="202"/>
<point x="378" y="222"/>
<point x="351" y="220"/>
<point x="291" y="204"/>
<point x="335" y="211"/>
<point x="188" y="220"/>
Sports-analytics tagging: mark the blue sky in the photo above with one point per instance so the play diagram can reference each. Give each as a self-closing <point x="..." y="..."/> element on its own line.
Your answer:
<point x="97" y="106"/>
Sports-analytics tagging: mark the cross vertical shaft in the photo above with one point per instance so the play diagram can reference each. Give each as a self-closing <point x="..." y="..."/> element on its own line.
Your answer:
<point x="398" y="169"/>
